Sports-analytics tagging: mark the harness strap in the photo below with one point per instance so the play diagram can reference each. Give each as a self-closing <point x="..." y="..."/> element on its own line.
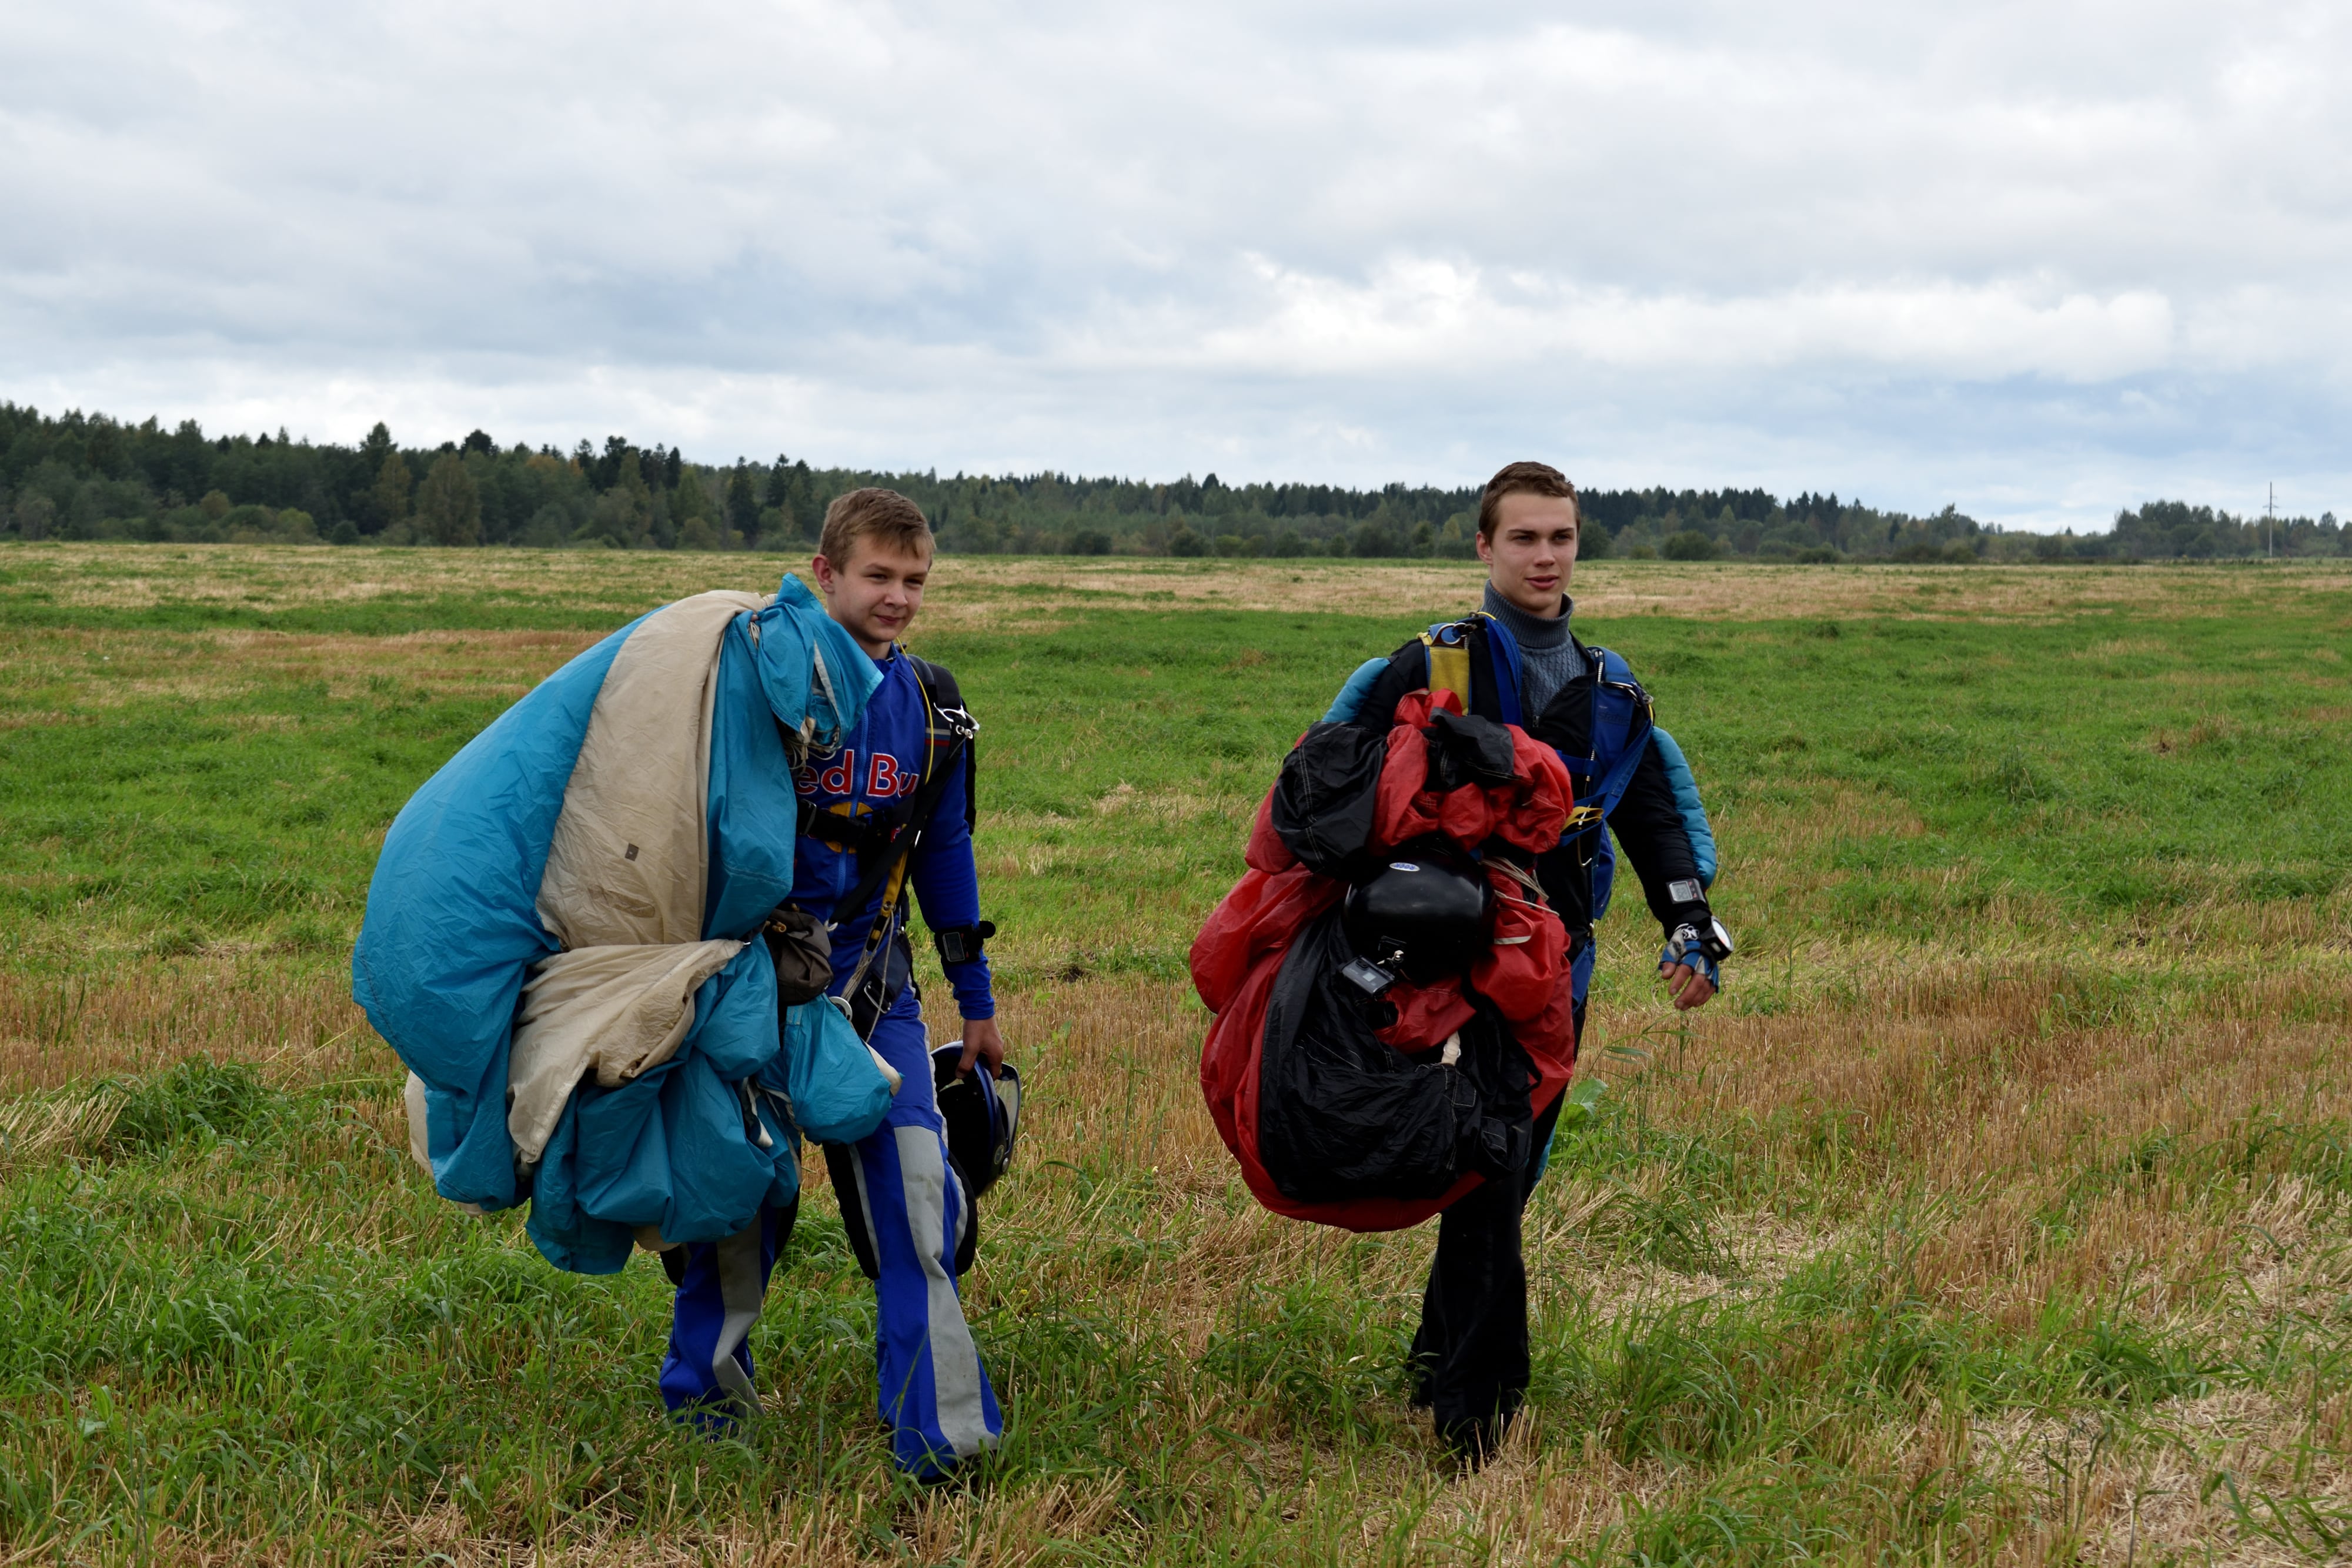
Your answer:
<point x="1613" y="784"/>
<point x="948" y="731"/>
<point x="1449" y="668"/>
<point x="840" y="827"/>
<point x="1609" y="788"/>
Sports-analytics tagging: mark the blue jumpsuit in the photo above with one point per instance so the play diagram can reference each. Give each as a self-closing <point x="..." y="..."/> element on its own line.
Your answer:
<point x="932" y="1393"/>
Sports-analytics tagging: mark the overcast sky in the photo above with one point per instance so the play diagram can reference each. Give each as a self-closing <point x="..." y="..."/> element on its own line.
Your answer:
<point x="2038" y="260"/>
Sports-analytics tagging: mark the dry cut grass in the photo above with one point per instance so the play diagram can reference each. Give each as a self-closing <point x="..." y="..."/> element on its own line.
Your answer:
<point x="2024" y="1164"/>
<point x="985" y="591"/>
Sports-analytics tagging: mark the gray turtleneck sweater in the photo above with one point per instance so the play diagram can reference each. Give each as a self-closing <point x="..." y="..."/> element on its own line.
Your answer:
<point x="1547" y="652"/>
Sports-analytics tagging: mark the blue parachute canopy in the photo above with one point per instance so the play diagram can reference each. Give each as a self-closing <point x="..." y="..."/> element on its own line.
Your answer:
<point x="452" y="930"/>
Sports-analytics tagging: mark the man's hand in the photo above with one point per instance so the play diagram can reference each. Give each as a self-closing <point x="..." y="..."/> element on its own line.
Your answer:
<point x="1688" y="965"/>
<point x="981" y="1039"/>
<point x="1685" y="985"/>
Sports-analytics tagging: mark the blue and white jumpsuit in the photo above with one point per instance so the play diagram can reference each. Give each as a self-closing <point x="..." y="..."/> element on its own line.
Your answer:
<point x="933" y="1393"/>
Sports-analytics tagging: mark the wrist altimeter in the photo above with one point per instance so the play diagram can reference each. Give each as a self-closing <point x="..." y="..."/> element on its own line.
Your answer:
<point x="963" y="944"/>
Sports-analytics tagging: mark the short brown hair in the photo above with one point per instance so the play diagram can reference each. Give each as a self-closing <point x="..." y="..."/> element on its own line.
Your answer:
<point x="1523" y="479"/>
<point x="886" y="516"/>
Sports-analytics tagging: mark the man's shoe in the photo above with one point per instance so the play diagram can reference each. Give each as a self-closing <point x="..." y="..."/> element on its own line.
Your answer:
<point x="1475" y="1441"/>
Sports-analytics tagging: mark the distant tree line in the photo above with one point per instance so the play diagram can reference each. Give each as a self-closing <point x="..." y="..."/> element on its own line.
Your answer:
<point x="86" y="476"/>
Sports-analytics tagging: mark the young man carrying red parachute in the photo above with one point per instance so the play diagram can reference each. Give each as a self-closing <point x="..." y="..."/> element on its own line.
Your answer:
<point x="1399" y="979"/>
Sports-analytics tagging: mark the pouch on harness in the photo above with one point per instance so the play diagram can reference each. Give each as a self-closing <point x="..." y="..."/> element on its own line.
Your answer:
<point x="1368" y="1066"/>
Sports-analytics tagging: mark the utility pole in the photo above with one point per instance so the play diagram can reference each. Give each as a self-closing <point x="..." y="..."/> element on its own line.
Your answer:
<point x="2271" y="529"/>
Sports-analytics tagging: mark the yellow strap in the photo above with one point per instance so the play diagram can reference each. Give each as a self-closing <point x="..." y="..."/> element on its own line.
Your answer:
<point x="1449" y="668"/>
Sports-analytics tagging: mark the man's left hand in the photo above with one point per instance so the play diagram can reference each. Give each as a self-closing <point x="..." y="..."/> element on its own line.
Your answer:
<point x="1688" y="964"/>
<point x="981" y="1041"/>
<point x="1687" y="986"/>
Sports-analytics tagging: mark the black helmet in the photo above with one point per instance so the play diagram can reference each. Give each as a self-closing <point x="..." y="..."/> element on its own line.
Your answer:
<point x="982" y="1115"/>
<point x="1425" y="913"/>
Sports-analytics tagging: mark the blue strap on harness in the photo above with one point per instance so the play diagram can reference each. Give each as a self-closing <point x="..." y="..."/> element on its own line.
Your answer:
<point x="1510" y="671"/>
<point x="1611" y="787"/>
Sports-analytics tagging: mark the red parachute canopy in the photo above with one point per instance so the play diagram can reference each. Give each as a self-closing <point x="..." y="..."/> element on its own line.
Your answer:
<point x="1524" y="973"/>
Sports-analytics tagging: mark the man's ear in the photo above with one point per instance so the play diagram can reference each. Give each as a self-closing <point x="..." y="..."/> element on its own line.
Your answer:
<point x="822" y="569"/>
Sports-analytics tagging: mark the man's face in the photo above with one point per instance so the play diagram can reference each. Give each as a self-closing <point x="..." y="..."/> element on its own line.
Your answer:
<point x="1532" y="552"/>
<point x="875" y="593"/>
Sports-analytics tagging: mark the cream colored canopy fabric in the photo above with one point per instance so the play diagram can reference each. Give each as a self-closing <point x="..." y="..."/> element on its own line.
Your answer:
<point x="625" y="876"/>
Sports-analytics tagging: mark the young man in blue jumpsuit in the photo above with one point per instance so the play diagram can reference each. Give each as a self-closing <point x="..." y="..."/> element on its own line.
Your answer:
<point x="1522" y="665"/>
<point x="903" y="1201"/>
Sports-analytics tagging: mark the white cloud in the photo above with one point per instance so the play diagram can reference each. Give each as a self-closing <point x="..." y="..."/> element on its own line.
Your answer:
<point x="2039" y="260"/>
<point x="1444" y="317"/>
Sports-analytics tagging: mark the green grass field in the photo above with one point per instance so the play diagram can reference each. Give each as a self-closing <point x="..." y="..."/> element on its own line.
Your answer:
<point x="2001" y="1210"/>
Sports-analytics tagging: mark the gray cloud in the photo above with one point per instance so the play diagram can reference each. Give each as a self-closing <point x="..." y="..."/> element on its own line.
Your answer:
<point x="2038" y="261"/>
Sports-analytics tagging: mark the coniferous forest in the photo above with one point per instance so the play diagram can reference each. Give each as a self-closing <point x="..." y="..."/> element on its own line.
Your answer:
<point x="88" y="476"/>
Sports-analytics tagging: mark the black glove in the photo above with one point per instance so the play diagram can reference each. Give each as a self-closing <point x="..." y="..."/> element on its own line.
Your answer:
<point x="1701" y="942"/>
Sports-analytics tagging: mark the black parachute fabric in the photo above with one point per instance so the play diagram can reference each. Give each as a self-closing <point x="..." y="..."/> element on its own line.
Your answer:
<point x="1342" y="1114"/>
<point x="1324" y="801"/>
<point x="1467" y="749"/>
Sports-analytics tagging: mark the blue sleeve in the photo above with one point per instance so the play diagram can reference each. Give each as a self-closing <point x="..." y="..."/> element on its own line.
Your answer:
<point x="1352" y="695"/>
<point x="1686" y="800"/>
<point x="948" y="885"/>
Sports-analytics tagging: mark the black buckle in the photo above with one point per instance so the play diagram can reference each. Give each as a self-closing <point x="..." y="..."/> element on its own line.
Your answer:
<point x="861" y="836"/>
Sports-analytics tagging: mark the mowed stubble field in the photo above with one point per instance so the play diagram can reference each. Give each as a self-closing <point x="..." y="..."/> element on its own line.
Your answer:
<point x="2002" y="1210"/>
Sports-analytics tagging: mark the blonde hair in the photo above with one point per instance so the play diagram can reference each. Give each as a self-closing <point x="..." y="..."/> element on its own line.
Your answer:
<point x="886" y="516"/>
